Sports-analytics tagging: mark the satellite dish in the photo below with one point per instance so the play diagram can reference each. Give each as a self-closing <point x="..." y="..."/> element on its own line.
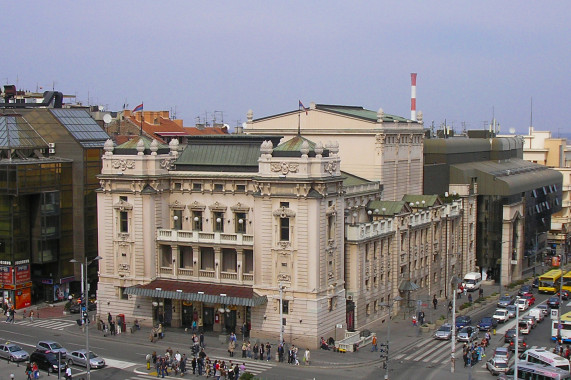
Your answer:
<point x="107" y="118"/>
<point x="512" y="130"/>
<point x="100" y="108"/>
<point x="244" y="125"/>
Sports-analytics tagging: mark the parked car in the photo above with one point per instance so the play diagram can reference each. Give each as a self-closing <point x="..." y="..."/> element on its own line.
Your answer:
<point x="47" y="360"/>
<point x="509" y="335"/>
<point x="506" y="300"/>
<point x="544" y="308"/>
<point x="497" y="366"/>
<point x="467" y="334"/>
<point x="487" y="323"/>
<point x="523" y="304"/>
<point x="530" y="298"/>
<point x="444" y="332"/>
<point x="511" y="311"/>
<point x="501" y="315"/>
<point x="13" y="352"/>
<point x="79" y="358"/>
<point x="553" y="302"/>
<point x="525" y="289"/>
<point x="463" y="320"/>
<point x="50" y="345"/>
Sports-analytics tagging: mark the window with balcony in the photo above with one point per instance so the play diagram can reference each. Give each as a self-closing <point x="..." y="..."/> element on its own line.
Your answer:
<point x="177" y="219"/>
<point x="186" y="259"/>
<point x="240" y="222"/>
<point x="218" y="221"/>
<point x="206" y="258"/>
<point x="229" y="260"/>
<point x="248" y="261"/>
<point x="197" y="220"/>
<point x="166" y="256"/>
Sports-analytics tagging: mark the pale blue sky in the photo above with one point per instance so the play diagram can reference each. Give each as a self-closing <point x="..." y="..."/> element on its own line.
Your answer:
<point x="231" y="56"/>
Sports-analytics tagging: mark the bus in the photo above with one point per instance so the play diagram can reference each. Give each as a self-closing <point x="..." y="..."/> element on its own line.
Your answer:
<point x="549" y="282"/>
<point x="533" y="371"/>
<point x="565" y="328"/>
<point x="567" y="281"/>
<point x="542" y="356"/>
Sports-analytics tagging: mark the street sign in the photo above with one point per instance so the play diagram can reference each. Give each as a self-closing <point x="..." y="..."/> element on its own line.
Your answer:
<point x="339" y="326"/>
<point x="554" y="314"/>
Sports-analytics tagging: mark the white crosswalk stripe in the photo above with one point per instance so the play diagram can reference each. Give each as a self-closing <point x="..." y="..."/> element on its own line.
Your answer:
<point x="255" y="367"/>
<point x="54" y="324"/>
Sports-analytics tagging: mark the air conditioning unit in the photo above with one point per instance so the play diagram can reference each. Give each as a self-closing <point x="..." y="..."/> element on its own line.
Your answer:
<point x="52" y="151"/>
<point x="52" y="145"/>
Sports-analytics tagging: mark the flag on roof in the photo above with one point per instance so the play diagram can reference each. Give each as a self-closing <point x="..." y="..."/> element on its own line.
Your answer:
<point x="301" y="106"/>
<point x="138" y="108"/>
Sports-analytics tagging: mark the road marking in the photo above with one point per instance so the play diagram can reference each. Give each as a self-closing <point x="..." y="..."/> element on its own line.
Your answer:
<point x="118" y="363"/>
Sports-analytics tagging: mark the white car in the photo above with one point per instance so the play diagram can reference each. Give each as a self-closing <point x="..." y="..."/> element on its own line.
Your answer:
<point x="501" y="315"/>
<point x="522" y="303"/>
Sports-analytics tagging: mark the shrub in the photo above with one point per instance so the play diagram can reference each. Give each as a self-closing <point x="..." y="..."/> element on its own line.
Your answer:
<point x="442" y="316"/>
<point x="246" y="376"/>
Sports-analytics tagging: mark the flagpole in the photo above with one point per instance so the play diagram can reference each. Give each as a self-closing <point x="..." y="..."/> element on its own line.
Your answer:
<point x="298" y="121"/>
<point x="142" y="116"/>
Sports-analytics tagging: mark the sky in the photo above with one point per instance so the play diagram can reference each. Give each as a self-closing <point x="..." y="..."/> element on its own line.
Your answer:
<point x="474" y="59"/>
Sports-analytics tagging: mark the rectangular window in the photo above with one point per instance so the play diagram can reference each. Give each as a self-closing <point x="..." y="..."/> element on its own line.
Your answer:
<point x="196" y="186"/>
<point x="124" y="221"/>
<point x="197" y="220"/>
<point x="285" y="306"/>
<point x="229" y="260"/>
<point x="241" y="188"/>
<point x="218" y="222"/>
<point x="206" y="258"/>
<point x="177" y="219"/>
<point x="178" y="186"/>
<point x="330" y="227"/>
<point x="240" y="222"/>
<point x="185" y="253"/>
<point x="284" y="229"/>
<point x="248" y="261"/>
<point x="123" y="198"/>
<point x="166" y="256"/>
<point x="218" y="187"/>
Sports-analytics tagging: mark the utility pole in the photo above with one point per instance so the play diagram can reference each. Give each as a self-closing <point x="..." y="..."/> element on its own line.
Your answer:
<point x="454" y="281"/>
<point x="281" y="313"/>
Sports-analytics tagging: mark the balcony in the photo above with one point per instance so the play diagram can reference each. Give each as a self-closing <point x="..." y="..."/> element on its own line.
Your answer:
<point x="199" y="237"/>
<point x="362" y="231"/>
<point x="206" y="275"/>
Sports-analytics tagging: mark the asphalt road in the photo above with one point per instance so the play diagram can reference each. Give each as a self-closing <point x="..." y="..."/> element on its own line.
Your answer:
<point x="430" y="359"/>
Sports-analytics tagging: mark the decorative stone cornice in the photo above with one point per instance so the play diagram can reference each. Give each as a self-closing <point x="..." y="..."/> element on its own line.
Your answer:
<point x="284" y="167"/>
<point x="284" y="212"/>
<point x="123" y="164"/>
<point x="122" y="205"/>
<point x="216" y="206"/>
<point x="176" y="205"/>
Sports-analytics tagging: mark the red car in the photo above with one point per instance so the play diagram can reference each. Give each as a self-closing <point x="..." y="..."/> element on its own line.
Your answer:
<point x="530" y="298"/>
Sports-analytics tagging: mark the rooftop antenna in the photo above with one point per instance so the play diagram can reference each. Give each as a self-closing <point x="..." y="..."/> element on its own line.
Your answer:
<point x="531" y="116"/>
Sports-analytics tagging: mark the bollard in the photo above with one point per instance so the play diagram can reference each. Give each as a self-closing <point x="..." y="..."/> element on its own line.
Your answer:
<point x="494" y="331"/>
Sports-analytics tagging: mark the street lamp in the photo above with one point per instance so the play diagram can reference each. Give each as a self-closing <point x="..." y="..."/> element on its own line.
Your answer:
<point x="84" y="291"/>
<point x="516" y="342"/>
<point x="390" y="306"/>
<point x="455" y="281"/>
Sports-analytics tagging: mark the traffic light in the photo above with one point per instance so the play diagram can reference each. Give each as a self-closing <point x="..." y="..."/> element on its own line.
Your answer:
<point x="384" y="351"/>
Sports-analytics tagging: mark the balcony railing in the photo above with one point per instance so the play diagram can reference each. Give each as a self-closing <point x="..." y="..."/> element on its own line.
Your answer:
<point x="185" y="271"/>
<point x="206" y="273"/>
<point x="199" y="237"/>
<point x="165" y="270"/>
<point x="229" y="275"/>
<point x="248" y="276"/>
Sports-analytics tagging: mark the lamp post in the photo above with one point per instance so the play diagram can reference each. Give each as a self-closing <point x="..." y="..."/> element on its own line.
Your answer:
<point x="516" y="342"/>
<point x="390" y="306"/>
<point x="455" y="281"/>
<point x="84" y="312"/>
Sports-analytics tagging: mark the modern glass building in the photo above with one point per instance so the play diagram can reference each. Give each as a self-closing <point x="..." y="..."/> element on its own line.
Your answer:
<point x="49" y="159"/>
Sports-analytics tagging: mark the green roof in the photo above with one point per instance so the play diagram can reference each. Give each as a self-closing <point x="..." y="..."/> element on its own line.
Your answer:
<point x="353" y="180"/>
<point x="429" y="200"/>
<point x="360" y="112"/>
<point x="386" y="208"/>
<point x="294" y="145"/>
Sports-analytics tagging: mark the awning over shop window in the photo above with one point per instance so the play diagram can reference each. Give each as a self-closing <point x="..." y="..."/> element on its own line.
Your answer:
<point x="199" y="291"/>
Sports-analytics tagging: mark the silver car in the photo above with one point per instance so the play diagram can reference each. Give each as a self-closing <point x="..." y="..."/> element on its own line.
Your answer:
<point x="13" y="352"/>
<point x="497" y="366"/>
<point x="78" y="358"/>
<point x="467" y="334"/>
<point x="511" y="311"/>
<point x="50" y="345"/>
<point x="444" y="332"/>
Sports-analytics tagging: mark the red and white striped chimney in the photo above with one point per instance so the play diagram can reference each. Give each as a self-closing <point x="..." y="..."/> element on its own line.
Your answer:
<point x="413" y="96"/>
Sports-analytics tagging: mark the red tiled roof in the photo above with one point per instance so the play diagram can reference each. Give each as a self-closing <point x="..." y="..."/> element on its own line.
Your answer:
<point x="193" y="131"/>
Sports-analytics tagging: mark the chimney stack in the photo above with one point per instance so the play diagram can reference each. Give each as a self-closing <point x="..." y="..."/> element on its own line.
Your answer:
<point x="413" y="96"/>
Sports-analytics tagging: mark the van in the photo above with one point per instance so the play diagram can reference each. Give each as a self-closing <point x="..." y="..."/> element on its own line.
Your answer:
<point x="537" y="313"/>
<point x="524" y="327"/>
<point x="472" y="281"/>
<point x="541" y="356"/>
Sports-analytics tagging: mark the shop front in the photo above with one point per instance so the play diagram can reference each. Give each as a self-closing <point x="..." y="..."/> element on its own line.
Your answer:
<point x="209" y="307"/>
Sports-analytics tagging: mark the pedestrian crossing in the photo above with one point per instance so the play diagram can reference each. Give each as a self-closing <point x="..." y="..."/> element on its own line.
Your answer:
<point x="54" y="324"/>
<point x="255" y="367"/>
<point x="437" y="352"/>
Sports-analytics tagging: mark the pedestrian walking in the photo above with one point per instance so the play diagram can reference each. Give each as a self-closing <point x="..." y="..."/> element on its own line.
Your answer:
<point x="306" y="355"/>
<point x="434" y="302"/>
<point x="31" y="316"/>
<point x="470" y="298"/>
<point x="421" y="317"/>
<point x="68" y="372"/>
<point x="268" y="351"/>
<point x="481" y="292"/>
<point x="374" y="344"/>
